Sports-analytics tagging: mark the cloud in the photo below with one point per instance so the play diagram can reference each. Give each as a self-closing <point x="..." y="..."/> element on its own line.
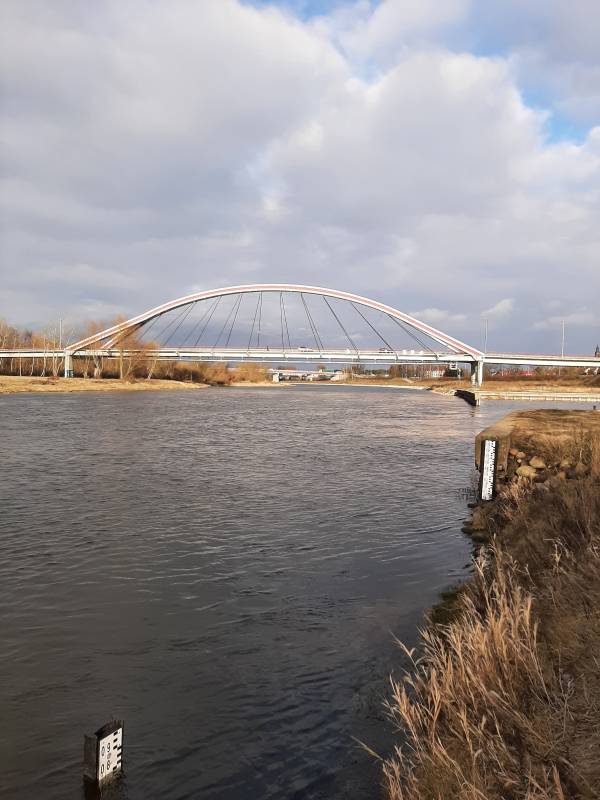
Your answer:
<point x="381" y="32"/>
<point x="438" y="316"/>
<point x="388" y="149"/>
<point x="585" y="318"/>
<point x="502" y="309"/>
<point x="554" y="49"/>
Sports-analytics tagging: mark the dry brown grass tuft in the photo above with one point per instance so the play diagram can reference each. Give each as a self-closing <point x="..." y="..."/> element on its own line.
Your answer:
<point x="503" y="701"/>
<point x="251" y="373"/>
<point x="576" y="445"/>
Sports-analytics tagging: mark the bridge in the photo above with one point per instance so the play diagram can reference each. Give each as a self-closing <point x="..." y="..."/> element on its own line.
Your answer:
<point x="272" y="323"/>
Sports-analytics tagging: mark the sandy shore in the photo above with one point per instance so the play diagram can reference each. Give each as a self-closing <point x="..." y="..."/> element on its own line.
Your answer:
<point x="10" y="384"/>
<point x="259" y="384"/>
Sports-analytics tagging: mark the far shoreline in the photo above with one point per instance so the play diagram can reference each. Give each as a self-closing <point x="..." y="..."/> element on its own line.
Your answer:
<point x="14" y="384"/>
<point x="493" y="390"/>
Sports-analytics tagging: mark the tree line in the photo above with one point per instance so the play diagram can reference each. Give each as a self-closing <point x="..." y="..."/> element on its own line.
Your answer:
<point x="135" y="359"/>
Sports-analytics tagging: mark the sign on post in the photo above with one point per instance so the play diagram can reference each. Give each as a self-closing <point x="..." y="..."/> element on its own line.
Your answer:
<point x="488" y="464"/>
<point x="102" y="752"/>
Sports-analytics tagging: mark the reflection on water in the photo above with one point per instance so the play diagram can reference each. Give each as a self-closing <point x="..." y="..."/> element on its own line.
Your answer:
<point x="224" y="570"/>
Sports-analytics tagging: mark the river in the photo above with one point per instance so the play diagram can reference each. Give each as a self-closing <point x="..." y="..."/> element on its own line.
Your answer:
<point x="225" y="570"/>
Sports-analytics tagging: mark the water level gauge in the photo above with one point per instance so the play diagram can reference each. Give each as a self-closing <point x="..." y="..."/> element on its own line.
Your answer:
<point x="103" y="752"/>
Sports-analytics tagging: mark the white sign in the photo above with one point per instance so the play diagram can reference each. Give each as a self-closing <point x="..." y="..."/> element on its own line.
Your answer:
<point x="109" y="754"/>
<point x="489" y="457"/>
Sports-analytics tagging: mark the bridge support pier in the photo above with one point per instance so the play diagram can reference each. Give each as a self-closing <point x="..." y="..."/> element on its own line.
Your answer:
<point x="479" y="373"/>
<point x="68" y="364"/>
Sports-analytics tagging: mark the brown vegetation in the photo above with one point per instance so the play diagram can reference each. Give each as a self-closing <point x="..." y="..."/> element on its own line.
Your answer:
<point x="134" y="360"/>
<point x="13" y="384"/>
<point x="250" y="373"/>
<point x="46" y="341"/>
<point x="504" y="700"/>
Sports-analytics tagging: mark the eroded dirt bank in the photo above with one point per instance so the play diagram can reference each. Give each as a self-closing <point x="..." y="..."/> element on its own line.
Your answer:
<point x="503" y="700"/>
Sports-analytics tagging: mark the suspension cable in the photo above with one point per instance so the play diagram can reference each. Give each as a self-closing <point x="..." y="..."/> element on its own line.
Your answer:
<point x="239" y="303"/>
<point x="281" y="319"/>
<point x="146" y="326"/>
<point x="197" y="324"/>
<point x="339" y="322"/>
<point x="185" y="316"/>
<point x="124" y="335"/>
<point x="173" y="321"/>
<point x="253" y="322"/>
<point x="285" y="320"/>
<point x="212" y="311"/>
<point x="414" y="336"/>
<point x="313" y="327"/>
<point x="231" y="310"/>
<point x="259" y="320"/>
<point x="359" y="312"/>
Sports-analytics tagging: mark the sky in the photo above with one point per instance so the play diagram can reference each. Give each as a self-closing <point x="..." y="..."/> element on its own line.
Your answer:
<point x="442" y="156"/>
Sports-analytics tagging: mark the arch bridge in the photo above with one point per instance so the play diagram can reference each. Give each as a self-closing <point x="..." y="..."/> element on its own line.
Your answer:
<point x="187" y="334"/>
<point x="284" y="324"/>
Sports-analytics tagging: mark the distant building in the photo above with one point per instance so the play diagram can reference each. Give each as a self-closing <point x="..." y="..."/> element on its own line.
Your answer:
<point x="597" y="351"/>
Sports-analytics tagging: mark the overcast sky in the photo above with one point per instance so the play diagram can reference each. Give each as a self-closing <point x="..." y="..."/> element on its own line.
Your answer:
<point x="442" y="156"/>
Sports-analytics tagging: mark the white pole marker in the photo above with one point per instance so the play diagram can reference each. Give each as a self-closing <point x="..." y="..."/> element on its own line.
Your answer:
<point x="488" y="465"/>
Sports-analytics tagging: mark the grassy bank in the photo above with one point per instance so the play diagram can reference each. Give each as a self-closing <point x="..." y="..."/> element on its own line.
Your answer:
<point x="503" y="701"/>
<point x="142" y="376"/>
<point x="195" y="376"/>
<point x="10" y="384"/>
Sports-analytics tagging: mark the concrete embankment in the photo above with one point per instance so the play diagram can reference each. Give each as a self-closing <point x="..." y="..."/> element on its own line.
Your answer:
<point x="537" y="433"/>
<point x="475" y="396"/>
<point x="503" y="699"/>
<point x="537" y="450"/>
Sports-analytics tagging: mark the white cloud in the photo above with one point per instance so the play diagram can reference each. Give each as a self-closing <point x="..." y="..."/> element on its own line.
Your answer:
<point x="585" y="318"/>
<point x="380" y="33"/>
<point x="554" y="48"/>
<point x="438" y="316"/>
<point x="189" y="143"/>
<point x="501" y="309"/>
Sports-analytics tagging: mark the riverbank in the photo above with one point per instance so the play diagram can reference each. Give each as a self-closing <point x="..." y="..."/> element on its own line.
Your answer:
<point x="11" y="384"/>
<point x="581" y="391"/>
<point x="503" y="700"/>
<point x="551" y="394"/>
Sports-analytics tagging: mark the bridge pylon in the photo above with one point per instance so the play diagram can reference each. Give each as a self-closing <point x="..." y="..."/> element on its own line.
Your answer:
<point x="68" y="364"/>
<point x="479" y="373"/>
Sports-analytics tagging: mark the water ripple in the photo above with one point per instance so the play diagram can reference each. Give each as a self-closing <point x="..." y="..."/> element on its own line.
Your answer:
<point x="225" y="570"/>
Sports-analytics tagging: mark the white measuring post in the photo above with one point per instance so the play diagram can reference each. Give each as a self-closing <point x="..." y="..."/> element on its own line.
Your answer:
<point x="103" y="752"/>
<point x="488" y="466"/>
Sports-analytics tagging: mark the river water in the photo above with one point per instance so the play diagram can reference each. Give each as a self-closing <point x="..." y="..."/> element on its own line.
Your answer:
<point x="225" y="570"/>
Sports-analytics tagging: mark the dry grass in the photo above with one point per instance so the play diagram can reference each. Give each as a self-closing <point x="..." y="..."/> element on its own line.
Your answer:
<point x="11" y="384"/>
<point x="503" y="701"/>
<point x="578" y="445"/>
<point x="250" y="373"/>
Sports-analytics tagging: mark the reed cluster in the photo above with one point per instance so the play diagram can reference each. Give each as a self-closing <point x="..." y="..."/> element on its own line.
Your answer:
<point x="504" y="700"/>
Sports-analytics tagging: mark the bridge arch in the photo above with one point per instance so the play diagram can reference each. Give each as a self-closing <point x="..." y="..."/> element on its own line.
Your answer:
<point x="107" y="337"/>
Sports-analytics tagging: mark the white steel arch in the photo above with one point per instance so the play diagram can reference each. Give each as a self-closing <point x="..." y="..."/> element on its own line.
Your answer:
<point x="110" y="334"/>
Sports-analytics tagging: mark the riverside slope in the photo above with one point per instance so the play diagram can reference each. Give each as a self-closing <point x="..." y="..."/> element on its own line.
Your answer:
<point x="504" y="699"/>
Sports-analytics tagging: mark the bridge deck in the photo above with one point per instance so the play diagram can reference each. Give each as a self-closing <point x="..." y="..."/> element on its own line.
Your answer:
<point x="309" y="355"/>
